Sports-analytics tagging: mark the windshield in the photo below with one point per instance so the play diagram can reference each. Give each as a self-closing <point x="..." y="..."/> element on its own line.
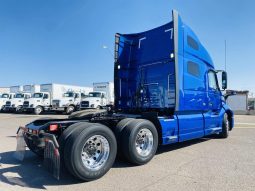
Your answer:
<point x="5" y="96"/>
<point x="19" y="96"/>
<point x="38" y="95"/>
<point x="69" y="94"/>
<point x="94" y="94"/>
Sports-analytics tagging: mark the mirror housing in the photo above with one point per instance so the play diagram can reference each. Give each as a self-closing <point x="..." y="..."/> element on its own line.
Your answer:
<point x="224" y="80"/>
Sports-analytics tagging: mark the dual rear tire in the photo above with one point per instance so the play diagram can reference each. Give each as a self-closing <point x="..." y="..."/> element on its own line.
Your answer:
<point x="137" y="140"/>
<point x="89" y="150"/>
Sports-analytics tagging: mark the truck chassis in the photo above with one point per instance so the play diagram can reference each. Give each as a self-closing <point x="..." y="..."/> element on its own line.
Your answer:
<point x="86" y="143"/>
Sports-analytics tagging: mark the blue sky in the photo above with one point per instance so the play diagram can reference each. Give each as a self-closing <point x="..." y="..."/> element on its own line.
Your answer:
<point x="43" y="41"/>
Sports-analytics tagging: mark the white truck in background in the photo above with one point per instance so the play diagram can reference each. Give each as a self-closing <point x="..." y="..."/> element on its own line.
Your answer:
<point x="41" y="100"/>
<point x="50" y="97"/>
<point x="15" y="104"/>
<point x="4" y="98"/>
<point x="70" y="100"/>
<point x="4" y="90"/>
<point x="102" y="96"/>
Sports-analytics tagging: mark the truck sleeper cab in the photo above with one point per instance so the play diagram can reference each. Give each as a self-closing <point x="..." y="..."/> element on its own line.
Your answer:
<point x="166" y="91"/>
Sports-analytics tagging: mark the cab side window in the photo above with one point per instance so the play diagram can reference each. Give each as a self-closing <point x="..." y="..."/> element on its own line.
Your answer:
<point x="212" y="80"/>
<point x="46" y="96"/>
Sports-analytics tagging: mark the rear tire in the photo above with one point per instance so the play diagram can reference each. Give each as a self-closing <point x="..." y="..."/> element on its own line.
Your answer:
<point x="139" y="141"/>
<point x="18" y="110"/>
<point x="90" y="153"/>
<point x="225" y="127"/>
<point x="118" y="132"/>
<point x="75" y="128"/>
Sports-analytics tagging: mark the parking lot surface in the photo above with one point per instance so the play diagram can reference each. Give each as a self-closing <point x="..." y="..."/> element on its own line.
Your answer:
<point x="202" y="164"/>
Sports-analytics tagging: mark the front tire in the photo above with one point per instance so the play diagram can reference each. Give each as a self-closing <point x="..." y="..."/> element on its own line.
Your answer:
<point x="38" y="110"/>
<point x="139" y="141"/>
<point x="90" y="154"/>
<point x="18" y="110"/>
<point x="70" y="109"/>
<point x="225" y="127"/>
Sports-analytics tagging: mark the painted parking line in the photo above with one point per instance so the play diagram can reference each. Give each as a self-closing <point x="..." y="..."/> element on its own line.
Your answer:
<point x="245" y="125"/>
<point x="253" y="124"/>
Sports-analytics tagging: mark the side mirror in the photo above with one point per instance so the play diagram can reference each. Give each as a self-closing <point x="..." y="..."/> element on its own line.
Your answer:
<point x="224" y="80"/>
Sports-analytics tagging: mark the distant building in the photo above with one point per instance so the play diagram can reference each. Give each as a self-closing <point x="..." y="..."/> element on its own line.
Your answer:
<point x="4" y="90"/>
<point x="238" y="102"/>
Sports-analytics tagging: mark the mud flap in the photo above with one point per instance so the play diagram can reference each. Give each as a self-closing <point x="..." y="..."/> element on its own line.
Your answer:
<point x="52" y="156"/>
<point x="21" y="146"/>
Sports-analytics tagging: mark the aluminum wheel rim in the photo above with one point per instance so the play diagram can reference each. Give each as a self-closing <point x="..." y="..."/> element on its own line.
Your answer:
<point x="144" y="142"/>
<point x="95" y="152"/>
<point x="38" y="110"/>
<point x="70" y="109"/>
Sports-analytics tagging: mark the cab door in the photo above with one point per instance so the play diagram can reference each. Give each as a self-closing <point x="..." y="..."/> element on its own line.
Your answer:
<point x="212" y="117"/>
<point x="103" y="100"/>
<point x="46" y="99"/>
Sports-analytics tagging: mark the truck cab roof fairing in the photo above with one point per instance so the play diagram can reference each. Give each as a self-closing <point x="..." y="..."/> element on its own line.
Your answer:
<point x="149" y="66"/>
<point x="144" y="70"/>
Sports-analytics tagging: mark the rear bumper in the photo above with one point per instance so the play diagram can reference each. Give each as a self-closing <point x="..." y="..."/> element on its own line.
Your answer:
<point x="32" y="137"/>
<point x="46" y="143"/>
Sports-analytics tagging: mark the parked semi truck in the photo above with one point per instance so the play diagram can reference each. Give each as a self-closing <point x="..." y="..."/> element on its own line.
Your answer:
<point x="102" y="95"/>
<point x="166" y="91"/>
<point x="70" y="100"/>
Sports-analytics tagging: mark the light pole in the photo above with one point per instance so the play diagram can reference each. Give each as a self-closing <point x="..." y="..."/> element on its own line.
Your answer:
<point x="106" y="47"/>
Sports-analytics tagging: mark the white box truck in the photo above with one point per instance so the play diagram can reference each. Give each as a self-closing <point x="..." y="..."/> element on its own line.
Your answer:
<point x="16" y="89"/>
<point x="70" y="101"/>
<point x="15" y="100"/>
<point x="31" y="88"/>
<point x="102" y="95"/>
<point x="48" y="96"/>
<point x="4" y="90"/>
<point x="15" y="104"/>
<point x="4" y="98"/>
<point x="41" y="99"/>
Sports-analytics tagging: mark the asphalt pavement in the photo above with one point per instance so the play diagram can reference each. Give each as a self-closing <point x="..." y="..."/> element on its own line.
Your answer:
<point x="201" y="164"/>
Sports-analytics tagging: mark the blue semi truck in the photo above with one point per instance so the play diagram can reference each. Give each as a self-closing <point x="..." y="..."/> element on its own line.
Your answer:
<point x="166" y="91"/>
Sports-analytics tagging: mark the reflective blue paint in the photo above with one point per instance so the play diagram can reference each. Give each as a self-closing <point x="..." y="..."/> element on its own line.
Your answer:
<point x="148" y="77"/>
<point x="144" y="71"/>
<point x="170" y="130"/>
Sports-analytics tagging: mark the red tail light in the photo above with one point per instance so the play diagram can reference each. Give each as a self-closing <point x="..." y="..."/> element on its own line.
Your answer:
<point x="53" y="127"/>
